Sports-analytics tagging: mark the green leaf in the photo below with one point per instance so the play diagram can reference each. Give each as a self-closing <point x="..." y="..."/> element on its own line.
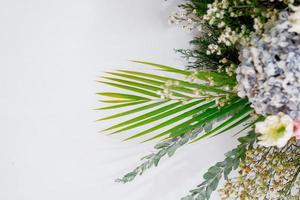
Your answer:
<point x="154" y="82"/>
<point x="164" y="67"/>
<point x="144" y="107"/>
<point x="223" y="111"/>
<point x="260" y="118"/>
<point x="202" y="75"/>
<point x="203" y="118"/>
<point x="212" y="172"/>
<point x="216" y="77"/>
<point x="184" y="127"/>
<point x="236" y="116"/>
<point x="145" y="86"/>
<point x="180" y="82"/>
<point x="188" y="198"/>
<point x="122" y="96"/>
<point x="226" y="172"/>
<point x="134" y="89"/>
<point x="135" y="84"/>
<point x="121" y="105"/>
<point x="168" y="122"/>
<point x="143" y="117"/>
<point x="172" y="150"/>
<point x="148" y="75"/>
<point x="116" y="101"/>
<point x="137" y="78"/>
<point x="198" y="118"/>
<point x="162" y="145"/>
<point x="214" y="184"/>
<point x="242" y="120"/>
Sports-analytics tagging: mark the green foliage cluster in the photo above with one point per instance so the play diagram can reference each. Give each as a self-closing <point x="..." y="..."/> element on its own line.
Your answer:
<point x="222" y="169"/>
<point x="245" y="12"/>
<point x="199" y="6"/>
<point x="198" y="58"/>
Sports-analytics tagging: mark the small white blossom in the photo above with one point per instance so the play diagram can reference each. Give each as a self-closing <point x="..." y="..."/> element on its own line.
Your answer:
<point x="295" y="20"/>
<point x="213" y="48"/>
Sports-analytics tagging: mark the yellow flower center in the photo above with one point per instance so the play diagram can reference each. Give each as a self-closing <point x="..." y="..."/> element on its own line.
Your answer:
<point x="277" y="131"/>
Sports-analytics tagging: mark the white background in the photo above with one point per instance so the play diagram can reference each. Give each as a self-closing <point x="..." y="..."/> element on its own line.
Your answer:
<point x="51" y="52"/>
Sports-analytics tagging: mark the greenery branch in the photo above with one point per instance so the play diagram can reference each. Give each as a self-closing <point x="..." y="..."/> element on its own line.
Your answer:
<point x="222" y="169"/>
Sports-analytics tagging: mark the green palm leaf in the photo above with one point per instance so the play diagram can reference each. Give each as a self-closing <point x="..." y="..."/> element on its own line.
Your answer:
<point x="144" y="107"/>
<point x="242" y="120"/>
<point x="145" y="86"/>
<point x="134" y="89"/>
<point x="206" y="117"/>
<point x="165" y="68"/>
<point x="223" y="111"/>
<point x="180" y="82"/>
<point x="143" y="117"/>
<point x="173" y="120"/>
<point x="122" y="105"/>
<point x="122" y="96"/>
<point x="219" y="78"/>
<point x="196" y="111"/>
<point x="153" y="82"/>
<point x="116" y="101"/>
<point x="237" y="115"/>
<point x="182" y="128"/>
<point x="163" y="115"/>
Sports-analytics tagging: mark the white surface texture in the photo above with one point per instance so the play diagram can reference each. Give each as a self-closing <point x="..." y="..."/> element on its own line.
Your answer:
<point x="51" y="53"/>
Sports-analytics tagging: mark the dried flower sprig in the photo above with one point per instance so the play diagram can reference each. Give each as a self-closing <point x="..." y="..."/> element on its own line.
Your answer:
<point x="266" y="173"/>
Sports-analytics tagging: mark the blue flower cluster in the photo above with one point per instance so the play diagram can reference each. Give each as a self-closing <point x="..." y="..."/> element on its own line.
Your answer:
<point x="269" y="73"/>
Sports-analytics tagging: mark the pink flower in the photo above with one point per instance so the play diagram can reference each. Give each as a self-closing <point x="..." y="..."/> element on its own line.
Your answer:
<point x="297" y="129"/>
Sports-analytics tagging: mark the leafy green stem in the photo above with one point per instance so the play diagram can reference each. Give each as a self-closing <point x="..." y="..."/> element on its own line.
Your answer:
<point x="167" y="147"/>
<point x="222" y="169"/>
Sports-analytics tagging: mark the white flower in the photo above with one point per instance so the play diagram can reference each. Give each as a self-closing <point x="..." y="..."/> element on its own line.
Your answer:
<point x="295" y="20"/>
<point x="275" y="130"/>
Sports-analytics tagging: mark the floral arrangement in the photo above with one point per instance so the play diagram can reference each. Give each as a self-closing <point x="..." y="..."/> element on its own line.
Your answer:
<point x="243" y="73"/>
